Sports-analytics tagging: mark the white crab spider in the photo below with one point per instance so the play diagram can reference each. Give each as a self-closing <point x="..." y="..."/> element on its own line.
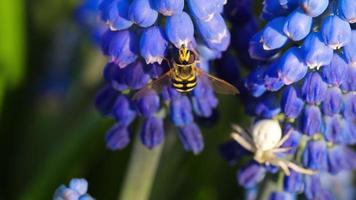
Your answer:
<point x="265" y="142"/>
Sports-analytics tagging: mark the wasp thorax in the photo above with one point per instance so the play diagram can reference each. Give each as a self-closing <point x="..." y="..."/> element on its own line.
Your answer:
<point x="266" y="134"/>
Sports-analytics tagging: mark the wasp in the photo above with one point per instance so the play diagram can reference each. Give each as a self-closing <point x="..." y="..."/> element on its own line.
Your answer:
<point x="183" y="75"/>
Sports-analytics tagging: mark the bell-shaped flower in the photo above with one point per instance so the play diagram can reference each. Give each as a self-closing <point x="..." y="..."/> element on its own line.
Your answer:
<point x="204" y="100"/>
<point x="315" y="155"/>
<point x="180" y="29"/>
<point x="294" y="139"/>
<point x="294" y="182"/>
<point x="333" y="102"/>
<point x="291" y="104"/>
<point x="256" y="50"/>
<point x="335" y="73"/>
<point x="350" y="49"/>
<point x="297" y="25"/>
<point x="336" y="32"/>
<point x="122" y="111"/>
<point x="281" y="196"/>
<point x="273" y="36"/>
<point x="153" y="45"/>
<point x="105" y="99"/>
<point x="314" y="8"/>
<point x="148" y="103"/>
<point x="311" y="121"/>
<point x="255" y="82"/>
<point x="315" y="52"/>
<point x="205" y="10"/>
<point x="341" y="158"/>
<point x="120" y="46"/>
<point x="314" y="88"/>
<point x="350" y="106"/>
<point x="291" y="68"/>
<point x="114" y="13"/>
<point x="272" y="9"/>
<point x="214" y="32"/>
<point x="79" y="184"/>
<point x="251" y="174"/>
<point x="117" y="137"/>
<point x="347" y="10"/>
<point x="141" y="13"/>
<point x="181" y="111"/>
<point x="152" y="132"/>
<point x="168" y="7"/>
<point x="266" y="107"/>
<point x="272" y="79"/>
<point x="191" y="138"/>
<point x="130" y="77"/>
<point x="349" y="84"/>
<point x="335" y="128"/>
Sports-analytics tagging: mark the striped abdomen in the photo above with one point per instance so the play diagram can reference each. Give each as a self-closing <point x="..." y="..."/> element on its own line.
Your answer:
<point x="184" y="85"/>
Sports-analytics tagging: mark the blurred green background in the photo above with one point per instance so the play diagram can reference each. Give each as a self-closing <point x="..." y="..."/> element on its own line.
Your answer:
<point x="50" y="131"/>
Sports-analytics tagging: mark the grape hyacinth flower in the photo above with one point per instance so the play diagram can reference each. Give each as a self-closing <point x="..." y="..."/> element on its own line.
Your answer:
<point x="138" y="41"/>
<point x="77" y="190"/>
<point x="305" y="57"/>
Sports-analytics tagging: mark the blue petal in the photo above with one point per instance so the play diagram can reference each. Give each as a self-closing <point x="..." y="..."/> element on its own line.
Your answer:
<point x="281" y="196"/>
<point x="152" y="133"/>
<point x="349" y="136"/>
<point x="180" y="29"/>
<point x="214" y="32"/>
<point x="294" y="139"/>
<point x="311" y="121"/>
<point x="105" y="99"/>
<point x="257" y="51"/>
<point x="336" y="32"/>
<point x="349" y="84"/>
<point x="267" y="107"/>
<point x="314" y="8"/>
<point x="273" y="36"/>
<point x="336" y="72"/>
<point x="347" y="10"/>
<point x="142" y="14"/>
<point x="169" y="93"/>
<point x="334" y="128"/>
<point x="169" y="7"/>
<point x="255" y="82"/>
<point x="350" y="106"/>
<point x="272" y="79"/>
<point x="333" y="101"/>
<point x="350" y="49"/>
<point x="251" y="174"/>
<point x="315" y="52"/>
<point x="204" y="10"/>
<point x="315" y="155"/>
<point x="341" y="158"/>
<point x="122" y="111"/>
<point x="114" y="13"/>
<point x="204" y="100"/>
<point x="132" y="76"/>
<point x="294" y="182"/>
<point x="181" y="111"/>
<point x="191" y="138"/>
<point x="148" y="104"/>
<point x="121" y="46"/>
<point x="297" y="25"/>
<point x="314" y="88"/>
<point x="272" y="9"/>
<point x="291" y="104"/>
<point x="79" y="184"/>
<point x="153" y="45"/>
<point x="117" y="137"/>
<point x="313" y="188"/>
<point x="291" y="67"/>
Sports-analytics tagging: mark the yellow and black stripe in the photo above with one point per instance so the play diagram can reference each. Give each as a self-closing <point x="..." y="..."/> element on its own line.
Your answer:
<point x="184" y="85"/>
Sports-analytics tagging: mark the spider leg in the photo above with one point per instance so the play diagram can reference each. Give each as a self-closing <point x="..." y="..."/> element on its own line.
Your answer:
<point x="281" y="150"/>
<point x="242" y="132"/>
<point x="243" y="142"/>
<point x="284" y="139"/>
<point x="300" y="169"/>
<point x="274" y="160"/>
<point x="284" y="166"/>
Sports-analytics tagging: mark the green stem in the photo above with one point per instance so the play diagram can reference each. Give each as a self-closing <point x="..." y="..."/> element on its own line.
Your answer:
<point x="267" y="187"/>
<point x="141" y="172"/>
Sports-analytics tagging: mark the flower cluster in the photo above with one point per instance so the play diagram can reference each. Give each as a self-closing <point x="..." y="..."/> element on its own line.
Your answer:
<point x="139" y="37"/>
<point x="77" y="190"/>
<point x="306" y="53"/>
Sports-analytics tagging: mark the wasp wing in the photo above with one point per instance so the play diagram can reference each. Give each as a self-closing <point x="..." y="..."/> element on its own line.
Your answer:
<point x="156" y="85"/>
<point x="220" y="86"/>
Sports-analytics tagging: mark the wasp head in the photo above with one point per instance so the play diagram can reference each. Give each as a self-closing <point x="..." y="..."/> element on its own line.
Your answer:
<point x="184" y="54"/>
